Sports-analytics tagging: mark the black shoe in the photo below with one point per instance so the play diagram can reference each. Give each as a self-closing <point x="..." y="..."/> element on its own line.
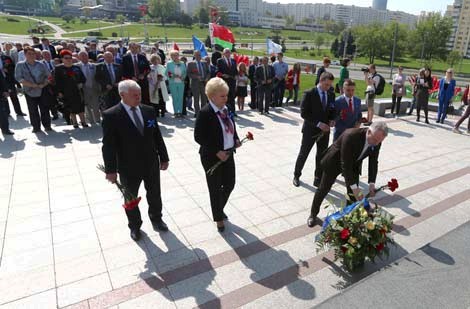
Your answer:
<point x="135" y="234"/>
<point x="437" y="121"/>
<point x="296" y="181"/>
<point x="85" y="125"/>
<point x="426" y="121"/>
<point x="55" y="117"/>
<point x="267" y="112"/>
<point x="36" y="130"/>
<point x="224" y="216"/>
<point x="160" y="225"/>
<point x="49" y="129"/>
<point x="21" y="114"/>
<point x="417" y="119"/>
<point x="221" y="228"/>
<point x="316" y="182"/>
<point x="8" y="132"/>
<point x="75" y="126"/>
<point x="312" y="221"/>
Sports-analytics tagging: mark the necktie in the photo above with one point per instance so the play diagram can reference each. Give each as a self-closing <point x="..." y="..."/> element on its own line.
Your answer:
<point x="87" y="76"/>
<point x="111" y="73"/>
<point x="138" y="124"/>
<point x="136" y="67"/>
<point x="50" y="66"/>
<point x="228" y="63"/>
<point x="226" y="120"/>
<point x="265" y="73"/>
<point x="199" y="67"/>
<point x="351" y="108"/>
<point x="323" y="99"/>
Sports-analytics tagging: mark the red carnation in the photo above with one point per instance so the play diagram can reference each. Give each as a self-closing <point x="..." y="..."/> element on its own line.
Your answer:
<point x="249" y="136"/>
<point x="364" y="120"/>
<point x="132" y="204"/>
<point x="345" y="234"/>
<point x="7" y="61"/>
<point x="393" y="185"/>
<point x="169" y="74"/>
<point x="344" y="249"/>
<point x="70" y="73"/>
<point x="380" y="247"/>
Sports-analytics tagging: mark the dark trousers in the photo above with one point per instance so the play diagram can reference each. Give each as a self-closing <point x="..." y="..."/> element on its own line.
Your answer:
<point x="38" y="108"/>
<point x="232" y="85"/>
<point x="111" y="98"/>
<point x="279" y="92"/>
<point x="4" y="124"/>
<point x="264" y="97"/>
<point x="327" y="180"/>
<point x="307" y="143"/>
<point x="144" y="86"/>
<point x="14" y="101"/>
<point x="154" y="199"/>
<point x="462" y="119"/>
<point x="254" y="95"/>
<point x="220" y="184"/>
<point x="396" y="101"/>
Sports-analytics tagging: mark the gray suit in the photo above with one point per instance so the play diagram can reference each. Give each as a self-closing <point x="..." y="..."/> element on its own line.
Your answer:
<point x="198" y="75"/>
<point x="91" y="91"/>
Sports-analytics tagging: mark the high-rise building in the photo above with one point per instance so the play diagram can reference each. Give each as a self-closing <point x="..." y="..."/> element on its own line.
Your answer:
<point x="459" y="39"/>
<point x="380" y="5"/>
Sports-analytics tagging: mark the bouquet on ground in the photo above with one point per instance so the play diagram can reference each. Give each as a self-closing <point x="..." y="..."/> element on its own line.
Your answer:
<point x="130" y="200"/>
<point x="248" y="137"/>
<point x="357" y="232"/>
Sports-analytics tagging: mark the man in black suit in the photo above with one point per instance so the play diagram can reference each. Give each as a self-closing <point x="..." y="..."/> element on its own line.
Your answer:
<point x="160" y="52"/>
<point x="4" y="123"/>
<point x="108" y="75"/>
<point x="264" y="76"/>
<point x="93" y="52"/>
<point x="345" y="156"/>
<point x="121" y="50"/>
<point x="7" y="69"/>
<point x="133" y="147"/>
<point x="227" y="70"/>
<point x="318" y="113"/>
<point x="253" y="86"/>
<point x="45" y="45"/>
<point x="135" y="66"/>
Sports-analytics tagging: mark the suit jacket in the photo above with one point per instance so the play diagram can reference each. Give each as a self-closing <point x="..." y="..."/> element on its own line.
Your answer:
<point x="91" y="76"/>
<point x="93" y="54"/>
<point x="124" y="149"/>
<point x="3" y="87"/>
<point x="208" y="132"/>
<point x="51" y="48"/>
<point x="259" y="75"/>
<point x="312" y="111"/>
<point x="161" y="53"/>
<point x="342" y="156"/>
<point x="128" y="66"/>
<point x="446" y="95"/>
<point x="121" y="51"/>
<point x="103" y="77"/>
<point x="251" y="73"/>
<point x="319" y="73"/>
<point x="223" y="68"/>
<point x="9" y="66"/>
<point x="345" y="118"/>
<point x="193" y="71"/>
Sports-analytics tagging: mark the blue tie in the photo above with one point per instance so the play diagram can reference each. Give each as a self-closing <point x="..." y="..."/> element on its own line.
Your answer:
<point x="323" y="99"/>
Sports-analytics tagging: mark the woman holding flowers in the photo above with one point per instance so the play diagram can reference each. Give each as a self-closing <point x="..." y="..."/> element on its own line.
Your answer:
<point x="176" y="73"/>
<point x="216" y="134"/>
<point x="69" y="83"/>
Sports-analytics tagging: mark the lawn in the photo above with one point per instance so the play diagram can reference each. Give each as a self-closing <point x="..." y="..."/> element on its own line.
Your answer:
<point x="20" y="27"/>
<point x="77" y="26"/>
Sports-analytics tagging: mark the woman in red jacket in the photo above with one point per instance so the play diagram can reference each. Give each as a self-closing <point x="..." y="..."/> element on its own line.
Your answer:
<point x="293" y="82"/>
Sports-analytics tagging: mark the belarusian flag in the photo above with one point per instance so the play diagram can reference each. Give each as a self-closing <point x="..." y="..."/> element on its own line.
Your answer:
<point x="221" y="36"/>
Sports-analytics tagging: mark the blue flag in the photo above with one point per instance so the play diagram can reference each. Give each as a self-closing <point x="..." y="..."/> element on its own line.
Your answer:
<point x="198" y="45"/>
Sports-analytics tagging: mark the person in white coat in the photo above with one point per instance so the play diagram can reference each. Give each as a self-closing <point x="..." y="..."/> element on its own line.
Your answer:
<point x="157" y="86"/>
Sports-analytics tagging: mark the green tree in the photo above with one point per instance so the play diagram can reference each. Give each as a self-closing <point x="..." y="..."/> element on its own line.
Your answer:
<point x="67" y="18"/>
<point x="223" y="16"/>
<point x="453" y="58"/>
<point x="162" y="9"/>
<point x="319" y="41"/>
<point x="428" y="40"/>
<point x="289" y="20"/>
<point x="120" y="18"/>
<point x="369" y="40"/>
<point x="185" y="20"/>
<point x="203" y="15"/>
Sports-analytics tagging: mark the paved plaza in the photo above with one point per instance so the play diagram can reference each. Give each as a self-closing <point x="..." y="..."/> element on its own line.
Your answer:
<point x="64" y="241"/>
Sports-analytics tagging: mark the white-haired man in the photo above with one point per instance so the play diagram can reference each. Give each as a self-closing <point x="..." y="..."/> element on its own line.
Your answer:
<point x="345" y="157"/>
<point x="91" y="89"/>
<point x="133" y="147"/>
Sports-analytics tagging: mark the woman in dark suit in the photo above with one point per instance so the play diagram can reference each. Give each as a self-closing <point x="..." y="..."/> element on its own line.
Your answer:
<point x="215" y="132"/>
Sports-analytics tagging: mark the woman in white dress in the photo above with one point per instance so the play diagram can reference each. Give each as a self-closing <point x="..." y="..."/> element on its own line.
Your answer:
<point x="157" y="86"/>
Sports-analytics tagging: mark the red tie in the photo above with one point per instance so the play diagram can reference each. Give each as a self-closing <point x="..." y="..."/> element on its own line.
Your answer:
<point x="351" y="105"/>
<point x="228" y="63"/>
<point x="226" y="120"/>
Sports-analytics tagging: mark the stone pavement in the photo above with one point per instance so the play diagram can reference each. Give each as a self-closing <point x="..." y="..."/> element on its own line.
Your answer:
<point x="65" y="243"/>
<point x="435" y="276"/>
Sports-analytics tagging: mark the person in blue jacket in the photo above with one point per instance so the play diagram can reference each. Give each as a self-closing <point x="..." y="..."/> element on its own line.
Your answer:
<point x="348" y="108"/>
<point x="446" y="93"/>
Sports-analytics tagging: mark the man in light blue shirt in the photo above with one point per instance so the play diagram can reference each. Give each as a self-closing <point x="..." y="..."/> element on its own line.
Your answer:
<point x="280" y="71"/>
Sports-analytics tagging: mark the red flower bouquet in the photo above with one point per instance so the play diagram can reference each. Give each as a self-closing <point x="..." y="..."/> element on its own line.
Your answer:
<point x="70" y="73"/>
<point x="130" y="200"/>
<point x="248" y="137"/>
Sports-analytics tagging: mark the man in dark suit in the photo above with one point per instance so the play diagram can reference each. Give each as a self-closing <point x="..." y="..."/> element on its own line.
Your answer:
<point x="93" y="52"/>
<point x="45" y="45"/>
<point x="160" y="52"/>
<point x="227" y="70"/>
<point x="253" y="86"/>
<point x="4" y="123"/>
<point x="7" y="69"/>
<point x="348" y="108"/>
<point x="345" y="157"/>
<point x="264" y="76"/>
<point x="135" y="66"/>
<point x="317" y="110"/>
<point x="108" y="75"/>
<point x="121" y="50"/>
<point x="133" y="146"/>
<point x="198" y="74"/>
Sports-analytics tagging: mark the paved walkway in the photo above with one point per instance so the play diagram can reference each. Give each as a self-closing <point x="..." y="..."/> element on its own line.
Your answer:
<point x="64" y="240"/>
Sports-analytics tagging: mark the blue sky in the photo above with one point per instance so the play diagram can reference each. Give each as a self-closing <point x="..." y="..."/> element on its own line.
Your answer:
<point x="413" y="6"/>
